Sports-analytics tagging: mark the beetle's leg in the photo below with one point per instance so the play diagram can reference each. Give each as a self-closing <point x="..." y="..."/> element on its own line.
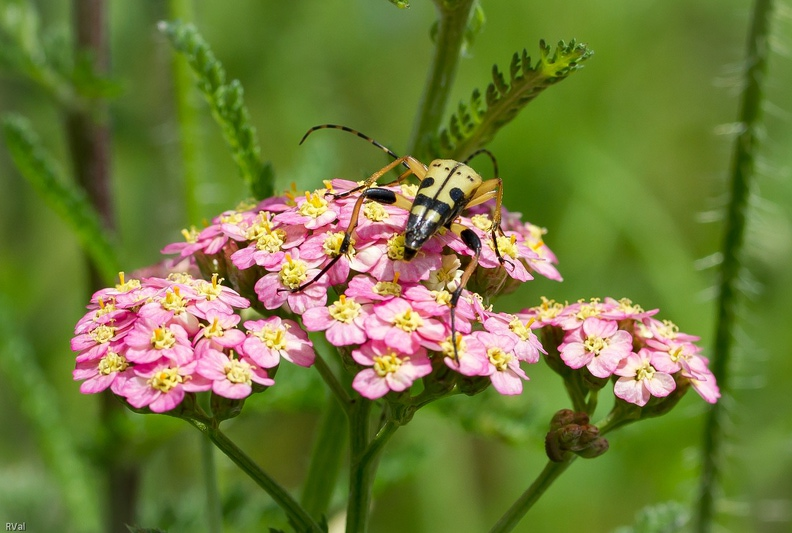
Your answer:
<point x="488" y="190"/>
<point x="379" y="195"/>
<point x="473" y="242"/>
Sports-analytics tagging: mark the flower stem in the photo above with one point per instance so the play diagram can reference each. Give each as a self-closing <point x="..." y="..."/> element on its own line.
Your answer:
<point x="361" y="471"/>
<point x="742" y="173"/>
<point x="325" y="460"/>
<point x="298" y="517"/>
<point x="214" y="511"/>
<point x="523" y="504"/>
<point x="332" y="382"/>
<point x="451" y="25"/>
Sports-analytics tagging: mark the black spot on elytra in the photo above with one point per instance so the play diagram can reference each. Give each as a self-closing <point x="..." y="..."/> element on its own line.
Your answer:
<point x="456" y="194"/>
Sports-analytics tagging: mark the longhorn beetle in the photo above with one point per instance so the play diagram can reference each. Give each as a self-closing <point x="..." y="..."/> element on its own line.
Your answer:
<point x="447" y="187"/>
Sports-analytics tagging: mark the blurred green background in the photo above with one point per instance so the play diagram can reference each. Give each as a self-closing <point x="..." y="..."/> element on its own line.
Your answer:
<point x="626" y="164"/>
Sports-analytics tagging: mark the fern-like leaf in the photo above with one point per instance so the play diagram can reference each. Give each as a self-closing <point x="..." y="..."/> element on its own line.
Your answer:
<point x="227" y="104"/>
<point x="68" y="201"/>
<point x="475" y="124"/>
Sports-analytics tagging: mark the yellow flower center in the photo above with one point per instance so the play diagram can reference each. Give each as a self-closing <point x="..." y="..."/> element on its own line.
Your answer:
<point x="212" y="290"/>
<point x="126" y="286"/>
<point x="112" y="362"/>
<point x="375" y="212"/>
<point x="521" y="330"/>
<point x="332" y="244"/>
<point x="173" y="301"/>
<point x="345" y="310"/>
<point x="588" y="309"/>
<point x="237" y="371"/>
<point x="482" y="222"/>
<point x="507" y="246"/>
<point x="293" y="273"/>
<point x="387" y="364"/>
<point x="645" y="372"/>
<point x="396" y="247"/>
<point x="274" y="339"/>
<point x="626" y="305"/>
<point x="231" y="217"/>
<point x="190" y="235"/>
<point x="408" y="321"/>
<point x="162" y="339"/>
<point x="499" y="358"/>
<point x="389" y="288"/>
<point x="103" y="334"/>
<point x="595" y="344"/>
<point x="448" y="349"/>
<point x="442" y="297"/>
<point x="165" y="379"/>
<point x="213" y="330"/>
<point x="180" y="277"/>
<point x="314" y="205"/>
<point x="548" y="309"/>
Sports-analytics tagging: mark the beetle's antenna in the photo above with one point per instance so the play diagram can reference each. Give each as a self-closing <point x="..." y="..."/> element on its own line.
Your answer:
<point x="491" y="156"/>
<point x="354" y="132"/>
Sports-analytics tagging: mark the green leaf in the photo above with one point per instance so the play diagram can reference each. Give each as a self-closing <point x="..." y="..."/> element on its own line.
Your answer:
<point x="475" y="124"/>
<point x="227" y="105"/>
<point x="67" y="200"/>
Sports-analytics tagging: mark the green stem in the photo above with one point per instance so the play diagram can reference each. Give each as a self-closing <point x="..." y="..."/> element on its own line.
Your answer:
<point x="325" y="461"/>
<point x="298" y="517"/>
<point x="452" y="21"/>
<point x="188" y="117"/>
<point x="361" y="472"/>
<point x="332" y="382"/>
<point x="524" y="503"/>
<point x="742" y="173"/>
<point x="214" y="510"/>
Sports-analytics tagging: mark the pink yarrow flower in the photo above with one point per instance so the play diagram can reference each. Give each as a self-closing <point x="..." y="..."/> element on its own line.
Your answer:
<point x="343" y="321"/>
<point x="273" y="338"/>
<point x="387" y="369"/>
<point x="640" y="379"/>
<point x="232" y="376"/>
<point x="403" y="328"/>
<point x="161" y="386"/>
<point x="599" y="345"/>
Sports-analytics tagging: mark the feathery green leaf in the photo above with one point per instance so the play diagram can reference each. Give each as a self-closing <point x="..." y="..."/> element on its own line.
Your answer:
<point x="226" y="102"/>
<point x="67" y="200"/>
<point x="476" y="123"/>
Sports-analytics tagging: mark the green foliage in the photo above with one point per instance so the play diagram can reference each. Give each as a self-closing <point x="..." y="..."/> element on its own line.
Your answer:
<point x="226" y="102"/>
<point x="475" y="124"/>
<point x="67" y="200"/>
<point x="25" y="379"/>
<point x="46" y="58"/>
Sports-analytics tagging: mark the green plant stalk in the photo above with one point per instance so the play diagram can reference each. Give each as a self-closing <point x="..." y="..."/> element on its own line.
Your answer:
<point x="300" y="519"/>
<point x="214" y="507"/>
<point x="361" y="472"/>
<point x="452" y="22"/>
<point x="742" y="175"/>
<point x="326" y="460"/>
<point x="188" y="121"/>
<point x="524" y="503"/>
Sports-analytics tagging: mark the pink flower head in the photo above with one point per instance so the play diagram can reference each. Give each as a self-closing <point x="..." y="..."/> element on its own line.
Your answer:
<point x="161" y="386"/>
<point x="111" y="370"/>
<point x="389" y="370"/>
<point x="221" y="330"/>
<point x="403" y="328"/>
<point x="343" y="321"/>
<point x="277" y="288"/>
<point x="599" y="346"/>
<point x="640" y="379"/>
<point x="231" y="376"/>
<point x="527" y="346"/>
<point x="504" y="366"/>
<point x="366" y="289"/>
<point x="312" y="211"/>
<point x="271" y="338"/>
<point x="149" y="342"/>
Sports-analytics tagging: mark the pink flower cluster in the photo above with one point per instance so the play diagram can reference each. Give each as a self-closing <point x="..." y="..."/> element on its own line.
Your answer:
<point x="617" y="338"/>
<point x="153" y="340"/>
<point x="392" y="315"/>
